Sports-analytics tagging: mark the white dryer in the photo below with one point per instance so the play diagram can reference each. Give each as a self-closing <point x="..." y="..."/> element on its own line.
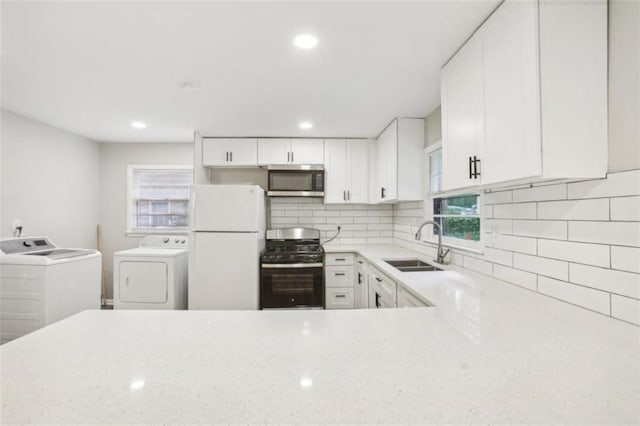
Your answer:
<point x="152" y="276"/>
<point x="41" y="284"/>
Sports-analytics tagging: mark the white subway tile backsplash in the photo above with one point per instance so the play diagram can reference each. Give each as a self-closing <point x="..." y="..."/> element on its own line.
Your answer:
<point x="625" y="309"/>
<point x="498" y="256"/>
<point x="514" y="243"/>
<point x="625" y="258"/>
<point x="515" y="276"/>
<point x="589" y="254"/>
<point x="615" y="185"/>
<point x="625" y="208"/>
<point x="552" y="229"/>
<point x="617" y="233"/>
<point x="542" y="266"/>
<point x="595" y="300"/>
<point x="624" y="283"/>
<point x="541" y="193"/>
<point x="514" y="211"/>
<point x="478" y="265"/>
<point x="596" y="209"/>
<point x="577" y="242"/>
<point x="500" y="197"/>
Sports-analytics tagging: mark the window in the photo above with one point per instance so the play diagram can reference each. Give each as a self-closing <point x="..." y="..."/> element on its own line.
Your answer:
<point x="457" y="214"/>
<point x="158" y="198"/>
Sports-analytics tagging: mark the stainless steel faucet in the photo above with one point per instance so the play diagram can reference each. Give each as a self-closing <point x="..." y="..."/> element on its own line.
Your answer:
<point x="441" y="253"/>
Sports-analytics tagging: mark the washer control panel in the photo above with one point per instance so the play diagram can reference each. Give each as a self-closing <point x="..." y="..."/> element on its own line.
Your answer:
<point x="25" y="245"/>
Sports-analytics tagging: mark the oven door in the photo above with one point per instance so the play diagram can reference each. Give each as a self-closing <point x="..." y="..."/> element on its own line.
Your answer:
<point x="299" y="285"/>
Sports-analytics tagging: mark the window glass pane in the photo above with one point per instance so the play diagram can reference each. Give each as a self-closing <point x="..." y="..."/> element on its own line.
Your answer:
<point x="459" y="205"/>
<point x="160" y="198"/>
<point x="466" y="228"/>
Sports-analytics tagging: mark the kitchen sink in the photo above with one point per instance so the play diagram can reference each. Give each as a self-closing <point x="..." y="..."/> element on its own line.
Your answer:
<point x="411" y="265"/>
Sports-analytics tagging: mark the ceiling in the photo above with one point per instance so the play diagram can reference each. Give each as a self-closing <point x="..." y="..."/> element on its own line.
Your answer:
<point x="93" y="67"/>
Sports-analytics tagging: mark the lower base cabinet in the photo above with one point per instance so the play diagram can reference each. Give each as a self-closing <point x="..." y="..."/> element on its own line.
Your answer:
<point x="406" y="299"/>
<point x="351" y="282"/>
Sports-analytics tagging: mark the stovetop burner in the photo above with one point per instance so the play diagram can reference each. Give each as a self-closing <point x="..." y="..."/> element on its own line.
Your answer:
<point x="293" y="245"/>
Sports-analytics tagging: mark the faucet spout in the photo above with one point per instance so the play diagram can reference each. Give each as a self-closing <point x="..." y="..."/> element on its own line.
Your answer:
<point x="441" y="254"/>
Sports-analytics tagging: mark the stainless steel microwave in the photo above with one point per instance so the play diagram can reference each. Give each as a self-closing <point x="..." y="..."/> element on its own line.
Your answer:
<point x="295" y="181"/>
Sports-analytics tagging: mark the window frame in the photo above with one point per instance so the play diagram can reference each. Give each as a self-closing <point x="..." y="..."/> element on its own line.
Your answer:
<point x="427" y="232"/>
<point x="130" y="231"/>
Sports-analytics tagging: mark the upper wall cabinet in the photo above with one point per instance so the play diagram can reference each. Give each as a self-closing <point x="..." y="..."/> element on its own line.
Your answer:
<point x="526" y="97"/>
<point x="399" y="161"/>
<point x="346" y="171"/>
<point x="229" y="152"/>
<point x="290" y="151"/>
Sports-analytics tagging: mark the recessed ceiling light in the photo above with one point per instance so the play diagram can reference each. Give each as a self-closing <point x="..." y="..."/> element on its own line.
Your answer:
<point x="305" y="41"/>
<point x="305" y="125"/>
<point x="139" y="124"/>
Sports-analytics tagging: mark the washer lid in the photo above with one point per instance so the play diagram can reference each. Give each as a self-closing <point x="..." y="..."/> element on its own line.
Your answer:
<point x="151" y="252"/>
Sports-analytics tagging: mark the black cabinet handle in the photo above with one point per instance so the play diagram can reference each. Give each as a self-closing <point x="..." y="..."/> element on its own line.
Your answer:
<point x="378" y="279"/>
<point x="231" y="156"/>
<point x="476" y="173"/>
<point x="227" y="156"/>
<point x="341" y="295"/>
<point x="339" y="274"/>
<point x="470" y="168"/>
<point x="382" y="192"/>
<point x="292" y="160"/>
<point x="359" y="278"/>
<point x="340" y="259"/>
<point x="377" y="300"/>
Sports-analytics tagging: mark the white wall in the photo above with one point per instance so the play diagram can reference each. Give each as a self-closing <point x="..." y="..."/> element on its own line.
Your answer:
<point x="114" y="158"/>
<point x="49" y="182"/>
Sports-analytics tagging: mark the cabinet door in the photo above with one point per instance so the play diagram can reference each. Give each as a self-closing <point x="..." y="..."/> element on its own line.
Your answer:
<point x="361" y="296"/>
<point x="511" y="90"/>
<point x="374" y="179"/>
<point x="335" y="168"/>
<point x="462" y="114"/>
<point x="143" y="282"/>
<point x="391" y="158"/>
<point x="244" y="152"/>
<point x="357" y="171"/>
<point x="215" y="152"/>
<point x="274" y="151"/>
<point x="383" y="166"/>
<point x="307" y="151"/>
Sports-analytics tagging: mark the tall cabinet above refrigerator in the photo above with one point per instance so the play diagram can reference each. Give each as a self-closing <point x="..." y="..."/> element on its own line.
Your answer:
<point x="227" y="235"/>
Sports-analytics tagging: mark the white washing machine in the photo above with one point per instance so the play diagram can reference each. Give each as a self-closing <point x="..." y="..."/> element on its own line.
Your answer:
<point x="152" y="276"/>
<point x="41" y="284"/>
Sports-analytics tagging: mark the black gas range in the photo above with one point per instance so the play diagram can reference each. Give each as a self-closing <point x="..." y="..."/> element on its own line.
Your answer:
<point x="292" y="270"/>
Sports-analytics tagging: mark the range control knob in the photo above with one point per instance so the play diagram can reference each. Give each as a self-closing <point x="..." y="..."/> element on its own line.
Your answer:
<point x="165" y="240"/>
<point x="177" y="241"/>
<point x="183" y="241"/>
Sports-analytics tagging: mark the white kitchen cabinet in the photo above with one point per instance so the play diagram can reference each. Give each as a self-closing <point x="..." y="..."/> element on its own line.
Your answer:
<point x="290" y="151"/>
<point x="274" y="151"/>
<point x="462" y="115"/>
<point x="339" y="281"/>
<point x="307" y="151"/>
<point x="346" y="171"/>
<point x="527" y="93"/>
<point x="229" y="152"/>
<point x="399" y="164"/>
<point x="406" y="299"/>
<point x="361" y="286"/>
<point x="382" y="289"/>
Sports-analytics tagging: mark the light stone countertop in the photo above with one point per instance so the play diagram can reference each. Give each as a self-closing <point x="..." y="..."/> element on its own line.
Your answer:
<point x="487" y="352"/>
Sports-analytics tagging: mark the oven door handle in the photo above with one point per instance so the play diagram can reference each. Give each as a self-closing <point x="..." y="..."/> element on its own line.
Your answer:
<point x="292" y="265"/>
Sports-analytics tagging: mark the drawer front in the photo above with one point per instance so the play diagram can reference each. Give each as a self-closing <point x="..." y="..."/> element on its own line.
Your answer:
<point x="408" y="300"/>
<point x="339" y="298"/>
<point x="338" y="276"/>
<point x="387" y="285"/>
<point x="337" y="259"/>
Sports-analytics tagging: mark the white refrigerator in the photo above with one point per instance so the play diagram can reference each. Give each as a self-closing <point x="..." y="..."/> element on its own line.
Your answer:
<point x="227" y="236"/>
